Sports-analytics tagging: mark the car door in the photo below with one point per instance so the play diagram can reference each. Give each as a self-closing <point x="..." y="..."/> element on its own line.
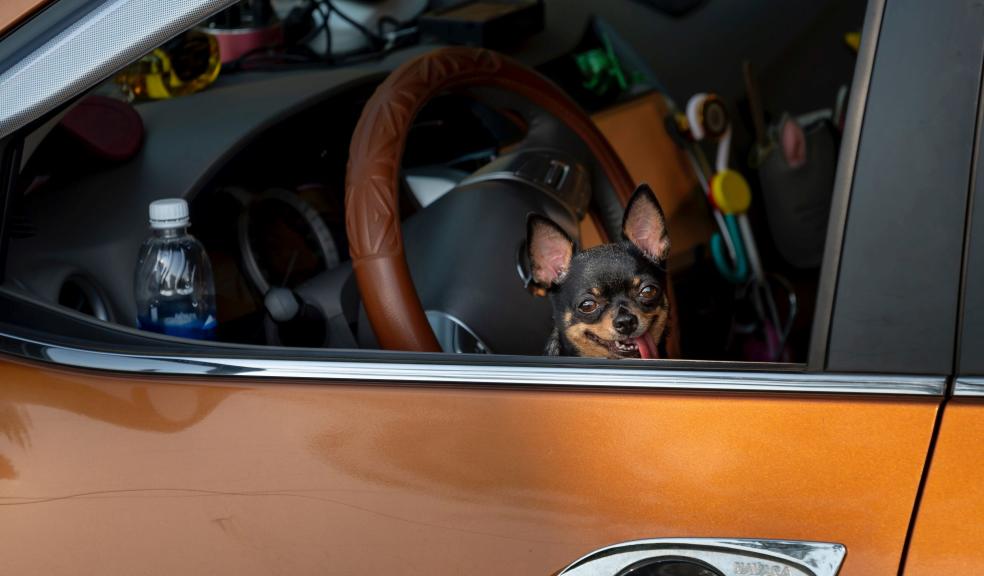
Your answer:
<point x="948" y="523"/>
<point x="126" y="454"/>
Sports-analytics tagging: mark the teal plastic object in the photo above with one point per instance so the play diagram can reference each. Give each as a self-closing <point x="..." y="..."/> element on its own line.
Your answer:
<point x="739" y="273"/>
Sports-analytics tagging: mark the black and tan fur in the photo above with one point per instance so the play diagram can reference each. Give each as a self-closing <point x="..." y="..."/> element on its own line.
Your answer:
<point x="625" y="281"/>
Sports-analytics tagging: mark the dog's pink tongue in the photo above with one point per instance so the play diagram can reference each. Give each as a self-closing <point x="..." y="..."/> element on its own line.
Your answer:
<point x="647" y="348"/>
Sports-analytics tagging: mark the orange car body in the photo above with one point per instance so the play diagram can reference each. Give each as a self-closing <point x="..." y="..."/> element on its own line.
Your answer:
<point x="119" y="474"/>
<point x="13" y="11"/>
<point x="948" y="527"/>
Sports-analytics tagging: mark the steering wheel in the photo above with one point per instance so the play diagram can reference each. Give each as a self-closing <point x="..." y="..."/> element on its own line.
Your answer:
<point x="372" y="218"/>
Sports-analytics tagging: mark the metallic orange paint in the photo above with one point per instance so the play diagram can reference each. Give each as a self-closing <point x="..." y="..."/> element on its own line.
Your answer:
<point x="948" y="531"/>
<point x="137" y="475"/>
<point x="12" y="11"/>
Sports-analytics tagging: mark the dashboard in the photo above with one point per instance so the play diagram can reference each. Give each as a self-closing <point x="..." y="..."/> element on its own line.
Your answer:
<point x="262" y="164"/>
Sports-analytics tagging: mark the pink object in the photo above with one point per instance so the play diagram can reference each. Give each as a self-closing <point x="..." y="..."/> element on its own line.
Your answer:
<point x="237" y="42"/>
<point x="108" y="128"/>
<point x="755" y="349"/>
<point x="793" y="143"/>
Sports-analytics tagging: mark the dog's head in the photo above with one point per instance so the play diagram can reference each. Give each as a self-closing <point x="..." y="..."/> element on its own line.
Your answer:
<point x="609" y="301"/>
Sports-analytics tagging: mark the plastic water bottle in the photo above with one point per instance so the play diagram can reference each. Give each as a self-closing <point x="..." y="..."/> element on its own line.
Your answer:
<point x="173" y="284"/>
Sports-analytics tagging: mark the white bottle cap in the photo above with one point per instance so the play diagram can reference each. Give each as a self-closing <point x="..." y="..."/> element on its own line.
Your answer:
<point x="168" y="213"/>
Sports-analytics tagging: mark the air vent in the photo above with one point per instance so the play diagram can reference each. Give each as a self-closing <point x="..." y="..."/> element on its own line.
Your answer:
<point x="82" y="295"/>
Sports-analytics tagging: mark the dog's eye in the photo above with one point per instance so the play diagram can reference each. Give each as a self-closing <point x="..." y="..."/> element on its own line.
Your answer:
<point x="587" y="306"/>
<point x="648" y="292"/>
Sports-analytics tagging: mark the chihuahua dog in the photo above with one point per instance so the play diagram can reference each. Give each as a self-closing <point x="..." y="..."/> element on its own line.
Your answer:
<point x="609" y="301"/>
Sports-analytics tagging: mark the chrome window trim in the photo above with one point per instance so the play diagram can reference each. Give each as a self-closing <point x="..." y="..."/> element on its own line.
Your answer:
<point x="969" y="386"/>
<point x="89" y="50"/>
<point x="843" y="183"/>
<point x="466" y="374"/>
<point x="727" y="556"/>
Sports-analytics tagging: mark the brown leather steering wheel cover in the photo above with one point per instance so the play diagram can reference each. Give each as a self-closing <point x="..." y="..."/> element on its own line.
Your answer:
<point x="372" y="216"/>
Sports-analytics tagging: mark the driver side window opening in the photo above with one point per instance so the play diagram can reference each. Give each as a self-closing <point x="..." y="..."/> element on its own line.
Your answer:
<point x="739" y="149"/>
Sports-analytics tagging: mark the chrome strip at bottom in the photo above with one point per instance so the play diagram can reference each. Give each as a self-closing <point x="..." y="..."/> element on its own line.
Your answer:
<point x="713" y="556"/>
<point x="972" y="386"/>
<point x="627" y="377"/>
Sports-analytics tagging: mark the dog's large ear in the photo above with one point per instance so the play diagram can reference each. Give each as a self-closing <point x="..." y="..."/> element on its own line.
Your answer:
<point x="550" y="250"/>
<point x="644" y="225"/>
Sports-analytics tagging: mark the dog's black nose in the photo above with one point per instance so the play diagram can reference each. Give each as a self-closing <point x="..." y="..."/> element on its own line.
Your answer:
<point x="625" y="323"/>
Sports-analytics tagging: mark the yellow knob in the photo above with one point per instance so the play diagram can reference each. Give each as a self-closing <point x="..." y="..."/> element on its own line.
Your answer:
<point x="730" y="192"/>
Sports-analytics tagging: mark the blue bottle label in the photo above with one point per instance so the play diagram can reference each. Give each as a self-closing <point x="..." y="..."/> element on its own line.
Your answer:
<point x="178" y="323"/>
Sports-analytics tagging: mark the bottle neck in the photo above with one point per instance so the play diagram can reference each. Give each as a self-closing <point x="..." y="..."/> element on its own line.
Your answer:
<point x="171" y="232"/>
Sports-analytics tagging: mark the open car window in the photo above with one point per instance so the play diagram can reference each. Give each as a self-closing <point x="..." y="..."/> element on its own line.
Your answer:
<point x="741" y="150"/>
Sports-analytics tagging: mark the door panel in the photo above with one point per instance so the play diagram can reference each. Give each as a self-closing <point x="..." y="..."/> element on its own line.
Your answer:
<point x="124" y="474"/>
<point x="970" y="360"/>
<point x="949" y="529"/>
<point x="923" y="92"/>
<point x="949" y="526"/>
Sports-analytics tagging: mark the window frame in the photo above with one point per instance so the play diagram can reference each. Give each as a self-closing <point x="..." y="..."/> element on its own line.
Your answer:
<point x="896" y="303"/>
<point x="969" y="360"/>
<point x="374" y="366"/>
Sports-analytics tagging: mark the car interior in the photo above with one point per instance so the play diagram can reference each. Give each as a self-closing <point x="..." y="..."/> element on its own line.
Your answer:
<point x="732" y="114"/>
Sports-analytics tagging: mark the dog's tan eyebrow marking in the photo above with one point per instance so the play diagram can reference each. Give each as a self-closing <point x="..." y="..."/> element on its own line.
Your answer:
<point x="595" y="292"/>
<point x="636" y="281"/>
